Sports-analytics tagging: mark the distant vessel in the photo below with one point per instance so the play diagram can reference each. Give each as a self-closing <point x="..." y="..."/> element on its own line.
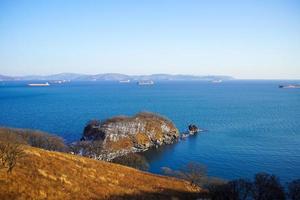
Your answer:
<point x="124" y="81"/>
<point x="145" y="82"/>
<point x="290" y="86"/>
<point x="60" y="81"/>
<point x="38" y="84"/>
<point x="217" y="81"/>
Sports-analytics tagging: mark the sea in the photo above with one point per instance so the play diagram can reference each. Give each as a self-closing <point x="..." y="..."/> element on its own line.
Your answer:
<point x="252" y="125"/>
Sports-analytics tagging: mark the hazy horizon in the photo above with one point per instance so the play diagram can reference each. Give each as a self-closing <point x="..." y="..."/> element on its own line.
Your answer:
<point x="237" y="78"/>
<point x="243" y="39"/>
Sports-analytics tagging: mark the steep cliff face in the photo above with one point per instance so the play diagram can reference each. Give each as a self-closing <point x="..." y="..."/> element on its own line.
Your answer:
<point x="121" y="135"/>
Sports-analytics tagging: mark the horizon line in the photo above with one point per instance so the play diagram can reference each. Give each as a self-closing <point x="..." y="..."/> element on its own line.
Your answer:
<point x="173" y="74"/>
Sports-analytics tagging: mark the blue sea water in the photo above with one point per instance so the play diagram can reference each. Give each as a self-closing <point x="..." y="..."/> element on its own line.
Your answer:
<point x="253" y="125"/>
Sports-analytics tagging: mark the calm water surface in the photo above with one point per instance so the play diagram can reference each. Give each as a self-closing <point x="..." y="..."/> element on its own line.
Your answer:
<point x="253" y="125"/>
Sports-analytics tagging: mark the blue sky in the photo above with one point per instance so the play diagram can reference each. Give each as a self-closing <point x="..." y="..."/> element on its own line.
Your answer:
<point x="245" y="39"/>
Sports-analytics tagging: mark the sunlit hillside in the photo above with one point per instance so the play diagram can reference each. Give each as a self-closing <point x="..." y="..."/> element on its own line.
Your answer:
<point x="42" y="174"/>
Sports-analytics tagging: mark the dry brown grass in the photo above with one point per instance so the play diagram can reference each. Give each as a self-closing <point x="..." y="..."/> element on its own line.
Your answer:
<point x="43" y="174"/>
<point x="141" y="138"/>
<point x="147" y="116"/>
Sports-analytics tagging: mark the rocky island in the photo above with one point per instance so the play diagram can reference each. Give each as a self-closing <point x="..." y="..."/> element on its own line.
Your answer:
<point x="122" y="135"/>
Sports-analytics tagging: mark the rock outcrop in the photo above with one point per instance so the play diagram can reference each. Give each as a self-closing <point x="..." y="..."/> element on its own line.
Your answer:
<point x="122" y="135"/>
<point x="193" y="129"/>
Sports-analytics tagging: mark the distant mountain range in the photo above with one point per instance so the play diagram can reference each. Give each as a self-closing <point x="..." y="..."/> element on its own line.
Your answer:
<point x="113" y="77"/>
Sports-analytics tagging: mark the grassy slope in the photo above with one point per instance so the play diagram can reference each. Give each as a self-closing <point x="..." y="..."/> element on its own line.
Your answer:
<point x="43" y="174"/>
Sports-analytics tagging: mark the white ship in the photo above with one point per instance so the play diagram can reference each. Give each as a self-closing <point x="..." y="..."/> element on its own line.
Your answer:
<point x="60" y="81"/>
<point x="145" y="82"/>
<point x="39" y="84"/>
<point x="124" y="81"/>
<point x="289" y="86"/>
<point x="216" y="81"/>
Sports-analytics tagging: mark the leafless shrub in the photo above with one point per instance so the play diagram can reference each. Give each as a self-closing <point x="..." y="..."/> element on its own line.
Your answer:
<point x="142" y="115"/>
<point x="90" y="149"/>
<point x="240" y="189"/>
<point x="95" y="148"/>
<point x="133" y="160"/>
<point x="155" y="116"/>
<point x="78" y="147"/>
<point x="267" y="186"/>
<point x="11" y="135"/>
<point x="219" y="192"/>
<point x="264" y="187"/>
<point x="294" y="189"/>
<point x="193" y="172"/>
<point x="45" y="141"/>
<point x="33" y="138"/>
<point x="120" y="118"/>
<point x="9" y="154"/>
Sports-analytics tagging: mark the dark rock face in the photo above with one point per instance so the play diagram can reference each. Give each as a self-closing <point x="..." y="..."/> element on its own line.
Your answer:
<point x="122" y="135"/>
<point x="91" y="129"/>
<point x="193" y="129"/>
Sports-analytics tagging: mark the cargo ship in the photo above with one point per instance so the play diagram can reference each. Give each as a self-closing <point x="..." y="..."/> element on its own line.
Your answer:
<point x="216" y="81"/>
<point x="124" y="81"/>
<point x="145" y="82"/>
<point x="39" y="84"/>
<point x="290" y="86"/>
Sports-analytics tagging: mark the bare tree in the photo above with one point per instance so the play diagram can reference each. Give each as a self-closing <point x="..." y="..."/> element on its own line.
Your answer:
<point x="9" y="154"/>
<point x="45" y="141"/>
<point x="91" y="149"/>
<point x="294" y="189"/>
<point x="267" y="187"/>
<point x="33" y="138"/>
<point x="240" y="189"/>
<point x="219" y="192"/>
<point x="193" y="172"/>
<point x="133" y="160"/>
<point x="95" y="148"/>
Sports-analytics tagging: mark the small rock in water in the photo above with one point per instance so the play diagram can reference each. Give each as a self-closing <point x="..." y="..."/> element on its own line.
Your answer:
<point x="193" y="129"/>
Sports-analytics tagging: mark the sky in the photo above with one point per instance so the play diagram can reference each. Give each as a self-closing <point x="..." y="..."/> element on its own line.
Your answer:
<point x="246" y="39"/>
